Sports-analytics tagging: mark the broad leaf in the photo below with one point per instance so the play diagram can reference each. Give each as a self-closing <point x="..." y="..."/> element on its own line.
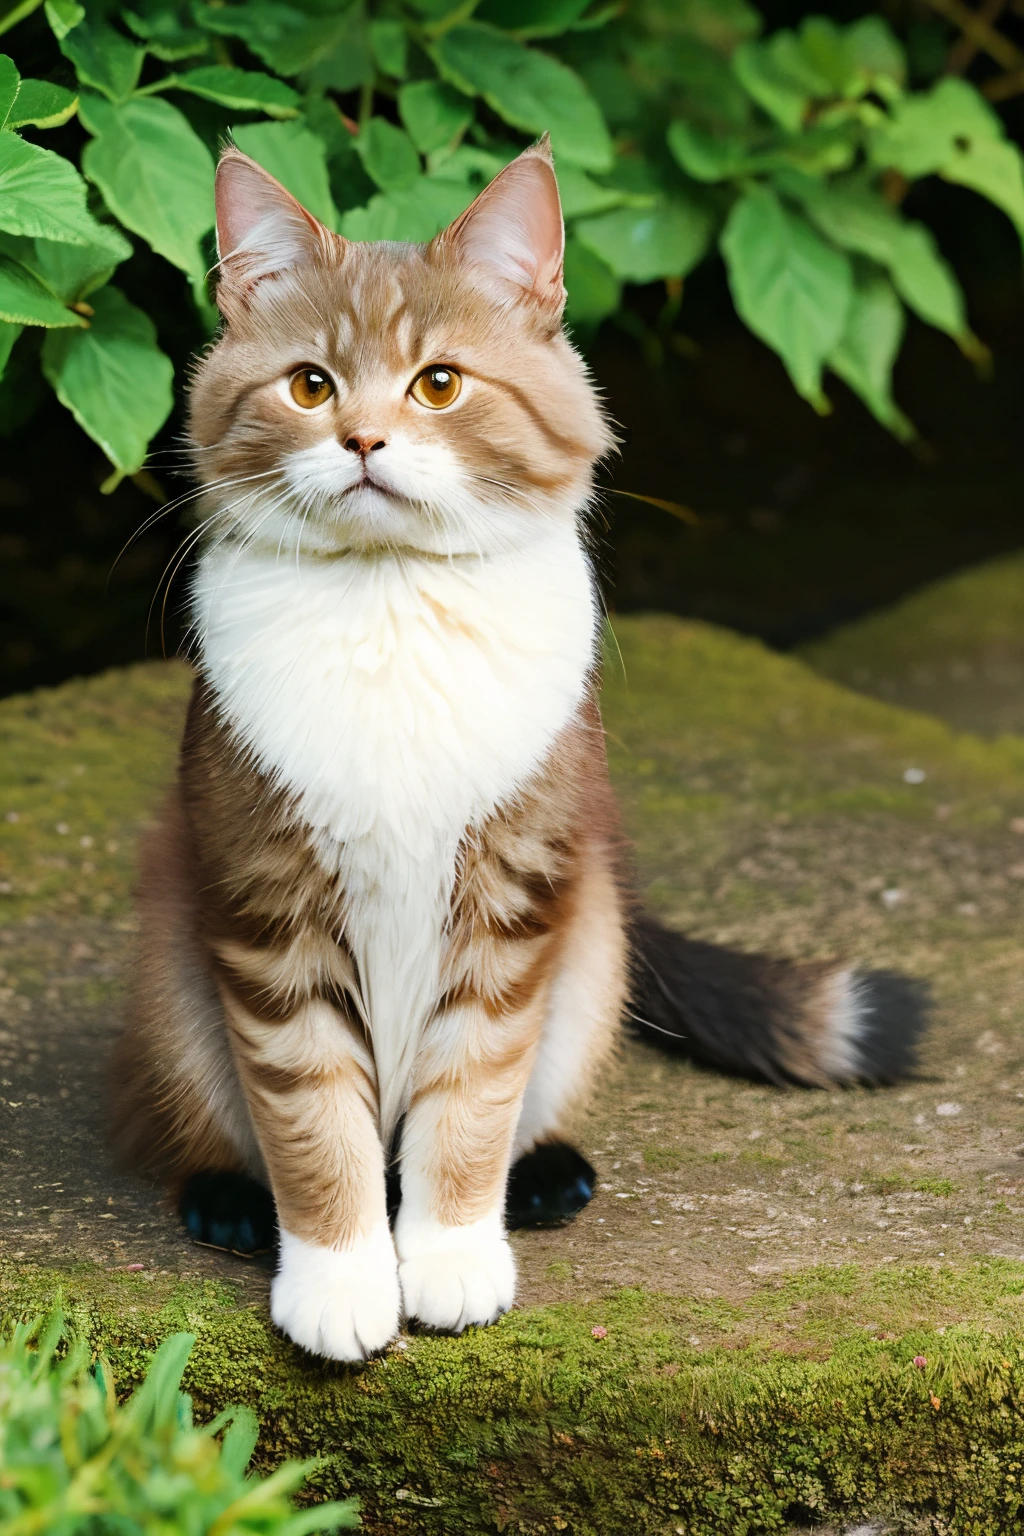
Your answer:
<point x="781" y="78"/>
<point x="722" y="157"/>
<point x="860" y="220"/>
<point x="531" y="18"/>
<point x="790" y="287"/>
<point x="155" y="173"/>
<point x="868" y="347"/>
<point x="9" y="82"/>
<point x="926" y="132"/>
<point x="389" y="45"/>
<point x="581" y="195"/>
<point x="528" y="89"/>
<point x="113" y="378"/>
<point x="593" y="290"/>
<point x="853" y="59"/>
<point x="413" y="213"/>
<point x="643" y="244"/>
<point x="286" y="38"/>
<point x="76" y="271"/>
<point x="164" y="34"/>
<point x="104" y="59"/>
<point x="41" y="193"/>
<point x="26" y="301"/>
<point x="994" y="168"/>
<point x="9" y="334"/>
<point x="42" y="105"/>
<point x="242" y="89"/>
<point x="63" y="15"/>
<point x="297" y="158"/>
<point x="435" y="114"/>
<point x="388" y="154"/>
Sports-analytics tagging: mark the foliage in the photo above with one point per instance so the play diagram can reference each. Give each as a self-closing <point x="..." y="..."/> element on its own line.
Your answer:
<point x="679" y="130"/>
<point x="73" y="1461"/>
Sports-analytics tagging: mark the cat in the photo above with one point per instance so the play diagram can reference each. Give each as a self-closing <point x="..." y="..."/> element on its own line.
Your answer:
<point x="386" y="916"/>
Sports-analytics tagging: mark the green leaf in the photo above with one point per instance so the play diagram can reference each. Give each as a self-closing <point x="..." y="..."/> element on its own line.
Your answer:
<point x="853" y="59"/>
<point x="69" y="272"/>
<point x="76" y="271"/>
<point x="165" y="36"/>
<point x="9" y="334"/>
<point x="874" y="53"/>
<point x="297" y="158"/>
<point x="643" y="244"/>
<point x="63" y="16"/>
<point x="994" y="168"/>
<point x="104" y="59"/>
<point x="389" y="44"/>
<point x="531" y="18"/>
<point x="593" y="290"/>
<point x="286" y="38"/>
<point x="42" y="105"/>
<point x="413" y="213"/>
<point x="528" y="89"/>
<point x="868" y="347"/>
<point x="388" y="154"/>
<point x="791" y="288"/>
<point x="926" y="132"/>
<point x="780" y="77"/>
<point x="41" y="193"/>
<point x="244" y="90"/>
<point x="9" y="83"/>
<point x="155" y="173"/>
<point x="712" y="157"/>
<point x="434" y="113"/>
<point x="857" y="218"/>
<point x="581" y="195"/>
<point x="26" y="301"/>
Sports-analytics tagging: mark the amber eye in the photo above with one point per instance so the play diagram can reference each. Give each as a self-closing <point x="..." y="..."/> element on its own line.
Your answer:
<point x="311" y="388"/>
<point x="436" y="387"/>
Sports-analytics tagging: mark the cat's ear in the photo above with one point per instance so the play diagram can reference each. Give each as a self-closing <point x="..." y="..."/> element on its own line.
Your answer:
<point x="261" y="228"/>
<point x="513" y="234"/>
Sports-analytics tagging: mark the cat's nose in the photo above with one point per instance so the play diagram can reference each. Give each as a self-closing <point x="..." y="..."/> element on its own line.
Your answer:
<point x="367" y="442"/>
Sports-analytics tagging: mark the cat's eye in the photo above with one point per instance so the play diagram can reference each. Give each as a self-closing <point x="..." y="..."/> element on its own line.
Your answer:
<point x="310" y="388"/>
<point x="436" y="387"/>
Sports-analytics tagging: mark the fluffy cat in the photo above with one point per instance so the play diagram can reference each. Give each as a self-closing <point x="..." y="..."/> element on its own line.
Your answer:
<point x="385" y="916"/>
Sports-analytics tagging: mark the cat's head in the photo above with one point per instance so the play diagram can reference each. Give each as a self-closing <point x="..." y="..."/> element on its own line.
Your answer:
<point x="389" y="396"/>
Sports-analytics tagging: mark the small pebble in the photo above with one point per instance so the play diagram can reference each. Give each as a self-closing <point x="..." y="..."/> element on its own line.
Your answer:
<point x="947" y="1111"/>
<point x="914" y="776"/>
<point x="892" y="897"/>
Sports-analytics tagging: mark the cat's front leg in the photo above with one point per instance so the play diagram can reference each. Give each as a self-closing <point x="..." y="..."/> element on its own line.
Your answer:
<point x="455" y="1263"/>
<point x="310" y="1086"/>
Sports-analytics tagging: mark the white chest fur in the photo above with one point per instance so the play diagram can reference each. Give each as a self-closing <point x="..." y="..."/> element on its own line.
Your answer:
<point x="400" y="700"/>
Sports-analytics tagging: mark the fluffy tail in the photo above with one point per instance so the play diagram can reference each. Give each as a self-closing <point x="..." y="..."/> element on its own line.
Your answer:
<point x="814" y="1023"/>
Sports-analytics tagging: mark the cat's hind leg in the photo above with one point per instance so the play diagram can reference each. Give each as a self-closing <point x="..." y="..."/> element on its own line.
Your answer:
<point x="550" y="1180"/>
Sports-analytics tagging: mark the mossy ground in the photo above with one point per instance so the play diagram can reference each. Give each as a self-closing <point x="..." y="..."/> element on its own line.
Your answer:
<point x="766" y="1263"/>
<point x="955" y="649"/>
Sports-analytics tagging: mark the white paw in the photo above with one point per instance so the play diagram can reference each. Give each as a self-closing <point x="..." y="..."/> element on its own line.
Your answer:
<point x="454" y="1276"/>
<point x="342" y="1304"/>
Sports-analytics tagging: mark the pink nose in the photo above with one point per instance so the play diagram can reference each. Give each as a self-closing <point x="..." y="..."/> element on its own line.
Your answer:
<point x="366" y="442"/>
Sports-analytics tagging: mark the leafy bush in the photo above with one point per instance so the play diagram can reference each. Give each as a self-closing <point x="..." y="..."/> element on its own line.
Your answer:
<point x="74" y="1463"/>
<point x="677" y="128"/>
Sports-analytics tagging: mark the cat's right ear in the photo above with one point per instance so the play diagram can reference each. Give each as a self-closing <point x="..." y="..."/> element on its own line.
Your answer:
<point x="261" y="229"/>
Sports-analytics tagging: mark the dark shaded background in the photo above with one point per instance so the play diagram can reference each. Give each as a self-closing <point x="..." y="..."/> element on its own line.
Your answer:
<point x="804" y="522"/>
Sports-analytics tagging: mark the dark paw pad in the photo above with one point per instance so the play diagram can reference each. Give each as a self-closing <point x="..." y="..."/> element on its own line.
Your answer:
<point x="229" y="1211"/>
<point x="548" y="1186"/>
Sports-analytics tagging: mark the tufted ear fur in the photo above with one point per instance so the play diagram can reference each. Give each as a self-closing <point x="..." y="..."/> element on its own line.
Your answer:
<point x="261" y="228"/>
<point x="513" y="234"/>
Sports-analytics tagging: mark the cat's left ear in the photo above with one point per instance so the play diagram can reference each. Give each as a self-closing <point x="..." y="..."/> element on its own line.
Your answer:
<point x="512" y="234"/>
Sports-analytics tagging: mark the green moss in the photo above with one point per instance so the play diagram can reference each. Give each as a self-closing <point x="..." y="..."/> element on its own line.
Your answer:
<point x="536" y="1425"/>
<point x="978" y="610"/>
<point x="707" y="731"/>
